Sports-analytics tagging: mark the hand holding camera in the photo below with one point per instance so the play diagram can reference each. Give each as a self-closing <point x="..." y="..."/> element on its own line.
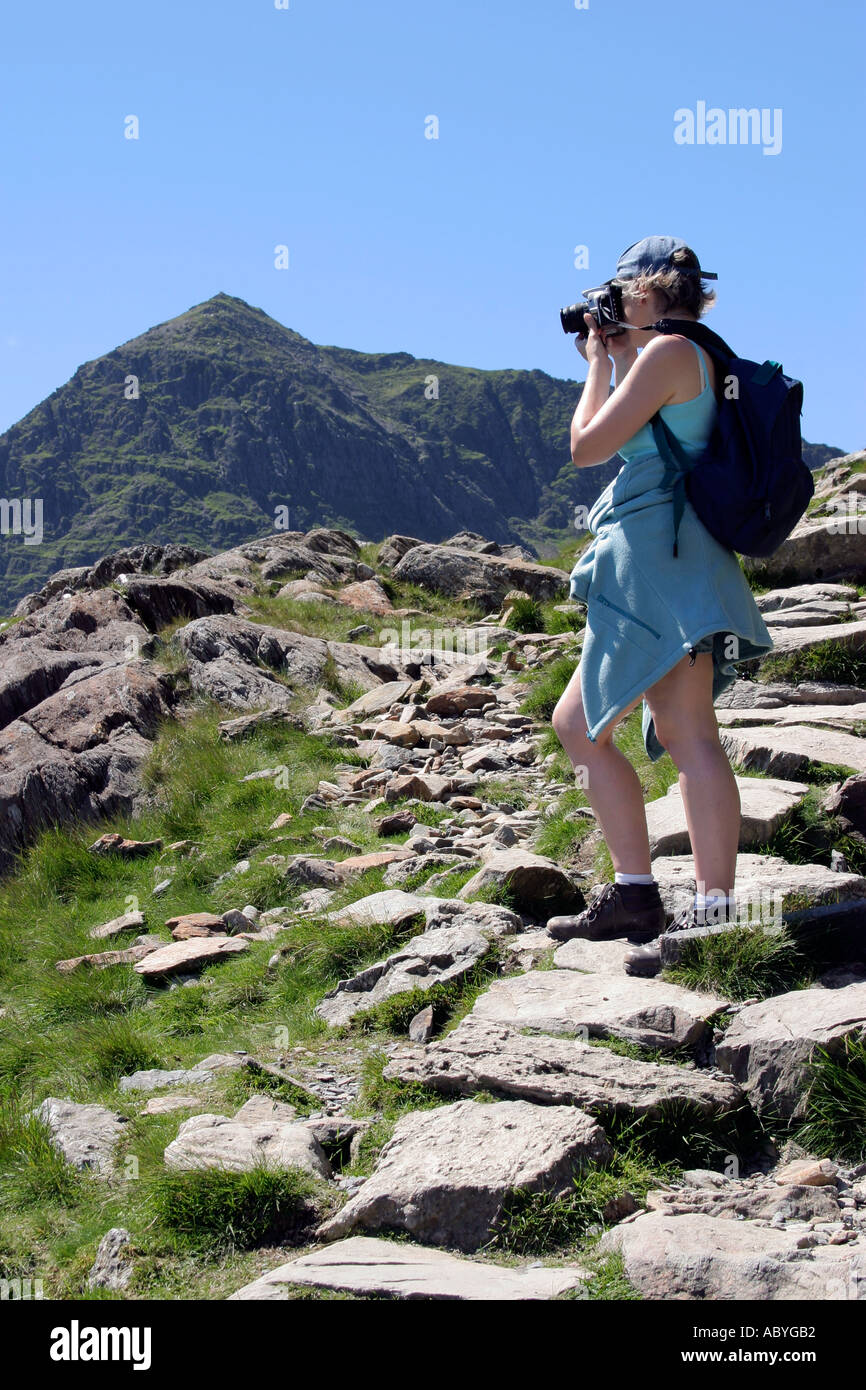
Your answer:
<point x="593" y="346"/>
<point x="599" y="323"/>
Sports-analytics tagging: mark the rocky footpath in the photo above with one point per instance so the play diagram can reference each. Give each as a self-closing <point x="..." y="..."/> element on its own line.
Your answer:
<point x="561" y="1048"/>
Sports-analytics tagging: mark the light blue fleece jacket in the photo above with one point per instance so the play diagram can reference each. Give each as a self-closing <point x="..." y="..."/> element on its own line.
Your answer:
<point x="646" y="607"/>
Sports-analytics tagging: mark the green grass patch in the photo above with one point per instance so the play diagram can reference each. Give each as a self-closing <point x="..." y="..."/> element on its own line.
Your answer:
<point x="449" y="1000"/>
<point x="743" y="963"/>
<point x="607" y="1283"/>
<point x="561" y="832"/>
<point x="807" y="835"/>
<point x="32" y="1172"/>
<point x="504" y="792"/>
<point x="835" y="1124"/>
<point x="836" y="661"/>
<point x="538" y="1223"/>
<point x="547" y="685"/>
<point x="227" y="1211"/>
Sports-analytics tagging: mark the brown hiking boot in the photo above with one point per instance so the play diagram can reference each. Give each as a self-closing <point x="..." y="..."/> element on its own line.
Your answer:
<point x="647" y="960"/>
<point x="620" y="909"/>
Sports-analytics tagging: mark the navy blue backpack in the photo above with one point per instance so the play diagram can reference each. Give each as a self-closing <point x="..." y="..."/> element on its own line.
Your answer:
<point x="750" y="486"/>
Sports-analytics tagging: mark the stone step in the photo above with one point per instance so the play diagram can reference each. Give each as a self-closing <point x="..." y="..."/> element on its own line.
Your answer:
<point x="764" y="802"/>
<point x="483" y="1056"/>
<point x="790" y="750"/>
<point x="764" y="883"/>
<point x="401" y="1269"/>
<point x="842" y="717"/>
<point x="651" y="1013"/>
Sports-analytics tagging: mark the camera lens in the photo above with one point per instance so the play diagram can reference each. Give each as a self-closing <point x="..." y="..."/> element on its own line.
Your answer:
<point x="572" y="319"/>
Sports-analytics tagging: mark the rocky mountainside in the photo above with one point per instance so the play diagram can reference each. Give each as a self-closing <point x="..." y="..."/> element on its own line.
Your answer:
<point x="238" y="416"/>
<point x="278" y="886"/>
<point x="197" y="431"/>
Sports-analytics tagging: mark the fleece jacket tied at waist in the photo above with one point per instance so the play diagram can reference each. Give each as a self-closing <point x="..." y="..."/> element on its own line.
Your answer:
<point x="647" y="607"/>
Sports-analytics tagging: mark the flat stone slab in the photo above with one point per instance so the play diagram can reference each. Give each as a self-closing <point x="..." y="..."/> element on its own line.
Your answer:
<point x="376" y="701"/>
<point x="86" y="1135"/>
<point x="263" y="1132"/>
<point x="794" y="639"/>
<point x="764" y="804"/>
<point x="190" y="924"/>
<point x="199" y="1075"/>
<point x="129" y="921"/>
<point x="768" y="1046"/>
<point x="819" y="614"/>
<point x="126" y="955"/>
<point x="591" y="957"/>
<point x="832" y="716"/>
<point x="483" y="1056"/>
<point x="445" y="1173"/>
<point x="198" y="951"/>
<point x="391" y="906"/>
<point x="798" y="594"/>
<point x="707" y="1193"/>
<point x="707" y="1257"/>
<point x="788" y="750"/>
<point x="367" y="1264"/>
<point x="164" y="1105"/>
<point x="648" y="1012"/>
<point x="765" y="884"/>
<point x="433" y="957"/>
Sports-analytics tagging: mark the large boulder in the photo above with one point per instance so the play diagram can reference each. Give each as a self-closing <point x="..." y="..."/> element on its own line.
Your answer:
<point x="534" y="883"/>
<point x="848" y="800"/>
<point x="790" y="750"/>
<point x="844" y="716"/>
<point x="706" y="1257"/>
<point x="78" y="754"/>
<point x="768" y="1046"/>
<point x="262" y="1132"/>
<point x="766" y="885"/>
<point x="764" y="804"/>
<point x="160" y="600"/>
<point x="392" y="550"/>
<point x="228" y="659"/>
<point x="135" y="559"/>
<point x="815" y="550"/>
<point x="86" y="1135"/>
<point x="805" y="595"/>
<point x="445" y="1174"/>
<point x="452" y="570"/>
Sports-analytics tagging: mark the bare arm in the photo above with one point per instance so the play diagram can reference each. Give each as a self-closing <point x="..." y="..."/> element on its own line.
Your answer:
<point x="602" y="423"/>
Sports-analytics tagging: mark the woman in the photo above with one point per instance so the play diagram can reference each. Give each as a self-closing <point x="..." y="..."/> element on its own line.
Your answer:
<point x="665" y="623"/>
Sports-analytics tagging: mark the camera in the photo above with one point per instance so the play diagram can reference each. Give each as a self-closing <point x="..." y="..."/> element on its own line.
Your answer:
<point x="604" y="303"/>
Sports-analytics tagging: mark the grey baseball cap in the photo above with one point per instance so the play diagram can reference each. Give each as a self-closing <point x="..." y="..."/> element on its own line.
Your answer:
<point x="654" y="253"/>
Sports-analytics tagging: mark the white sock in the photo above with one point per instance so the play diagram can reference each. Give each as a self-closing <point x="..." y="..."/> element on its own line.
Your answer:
<point x="711" y="902"/>
<point x="634" y="878"/>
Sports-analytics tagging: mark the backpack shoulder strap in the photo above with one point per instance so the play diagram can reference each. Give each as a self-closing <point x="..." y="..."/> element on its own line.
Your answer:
<point x="677" y="465"/>
<point x="697" y="333"/>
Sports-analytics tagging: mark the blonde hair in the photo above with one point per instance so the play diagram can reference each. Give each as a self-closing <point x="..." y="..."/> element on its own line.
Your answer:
<point x="676" y="287"/>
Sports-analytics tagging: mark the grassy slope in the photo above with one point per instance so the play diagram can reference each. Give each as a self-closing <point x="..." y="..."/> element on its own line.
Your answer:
<point x="201" y="1236"/>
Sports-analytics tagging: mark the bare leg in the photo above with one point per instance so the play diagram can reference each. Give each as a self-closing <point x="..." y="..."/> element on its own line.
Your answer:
<point x="682" y="708"/>
<point x="612" y="786"/>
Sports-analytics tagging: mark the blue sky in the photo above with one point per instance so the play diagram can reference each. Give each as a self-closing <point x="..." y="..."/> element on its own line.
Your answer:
<point x="306" y="127"/>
